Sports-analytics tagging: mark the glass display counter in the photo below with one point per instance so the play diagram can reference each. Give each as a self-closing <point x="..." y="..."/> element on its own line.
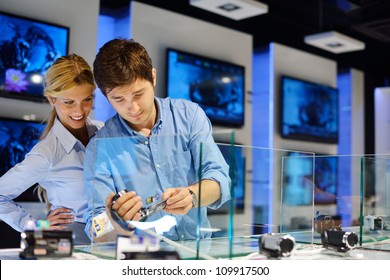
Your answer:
<point x="269" y="191"/>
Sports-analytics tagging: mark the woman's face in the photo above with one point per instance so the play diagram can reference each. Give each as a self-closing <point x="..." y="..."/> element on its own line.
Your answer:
<point x="73" y="106"/>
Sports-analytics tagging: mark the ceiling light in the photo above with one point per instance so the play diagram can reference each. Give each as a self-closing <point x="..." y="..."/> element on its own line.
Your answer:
<point x="334" y="42"/>
<point x="234" y="9"/>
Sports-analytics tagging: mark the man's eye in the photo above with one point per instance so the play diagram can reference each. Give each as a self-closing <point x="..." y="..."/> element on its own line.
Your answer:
<point x="88" y="99"/>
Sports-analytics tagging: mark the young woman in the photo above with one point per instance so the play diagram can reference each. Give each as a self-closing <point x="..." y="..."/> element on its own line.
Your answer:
<point x="56" y="161"/>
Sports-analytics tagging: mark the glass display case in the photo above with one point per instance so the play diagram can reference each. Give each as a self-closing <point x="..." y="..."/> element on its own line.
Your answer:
<point x="266" y="196"/>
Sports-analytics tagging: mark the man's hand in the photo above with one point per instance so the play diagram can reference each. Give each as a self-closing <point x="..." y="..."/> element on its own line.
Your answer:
<point x="127" y="206"/>
<point x="179" y="201"/>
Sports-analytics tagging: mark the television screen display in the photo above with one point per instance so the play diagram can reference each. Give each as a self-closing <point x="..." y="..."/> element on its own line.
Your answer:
<point x="309" y="111"/>
<point x="298" y="179"/>
<point x="28" y="48"/>
<point x="217" y="86"/>
<point x="17" y="137"/>
<point x="235" y="158"/>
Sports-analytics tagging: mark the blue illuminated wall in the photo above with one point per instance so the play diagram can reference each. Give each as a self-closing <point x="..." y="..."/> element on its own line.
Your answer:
<point x="109" y="27"/>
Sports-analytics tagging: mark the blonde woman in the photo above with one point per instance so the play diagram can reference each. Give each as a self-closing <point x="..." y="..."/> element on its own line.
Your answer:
<point x="56" y="161"/>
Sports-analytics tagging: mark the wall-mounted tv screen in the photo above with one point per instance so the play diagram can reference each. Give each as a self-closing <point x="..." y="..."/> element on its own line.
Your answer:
<point x="298" y="178"/>
<point x="217" y="86"/>
<point x="17" y="137"/>
<point x="235" y="158"/>
<point x="28" y="47"/>
<point x="309" y="111"/>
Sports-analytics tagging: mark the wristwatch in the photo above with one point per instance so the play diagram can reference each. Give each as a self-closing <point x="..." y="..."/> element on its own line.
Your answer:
<point x="194" y="201"/>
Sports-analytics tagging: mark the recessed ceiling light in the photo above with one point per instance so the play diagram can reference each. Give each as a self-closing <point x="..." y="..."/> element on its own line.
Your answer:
<point x="229" y="7"/>
<point x="334" y="42"/>
<point x="234" y="9"/>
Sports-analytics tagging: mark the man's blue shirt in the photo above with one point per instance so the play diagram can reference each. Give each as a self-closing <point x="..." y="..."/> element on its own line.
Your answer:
<point x="119" y="158"/>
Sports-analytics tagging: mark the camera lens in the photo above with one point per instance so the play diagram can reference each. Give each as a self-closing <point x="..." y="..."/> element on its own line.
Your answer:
<point x="286" y="245"/>
<point x="352" y="239"/>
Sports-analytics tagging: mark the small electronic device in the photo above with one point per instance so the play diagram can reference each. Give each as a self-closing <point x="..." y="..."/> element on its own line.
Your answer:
<point x="46" y="244"/>
<point x="276" y="245"/>
<point x="145" y="212"/>
<point x="326" y="222"/>
<point x="148" y="211"/>
<point x="342" y="241"/>
<point x="375" y="222"/>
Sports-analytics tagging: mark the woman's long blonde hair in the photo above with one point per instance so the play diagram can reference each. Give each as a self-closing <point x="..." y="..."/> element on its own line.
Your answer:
<point x="65" y="73"/>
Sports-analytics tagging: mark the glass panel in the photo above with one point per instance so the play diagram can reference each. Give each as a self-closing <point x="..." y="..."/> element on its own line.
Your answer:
<point x="259" y="191"/>
<point x="375" y="202"/>
<point x="320" y="193"/>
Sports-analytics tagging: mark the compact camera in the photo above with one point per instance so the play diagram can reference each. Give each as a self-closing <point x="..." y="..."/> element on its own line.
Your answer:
<point x="145" y="212"/>
<point x="326" y="222"/>
<point x="373" y="222"/>
<point x="46" y="244"/>
<point x="276" y="245"/>
<point x="342" y="241"/>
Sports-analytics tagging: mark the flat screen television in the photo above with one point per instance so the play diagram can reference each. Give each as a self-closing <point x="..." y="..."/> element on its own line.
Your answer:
<point x="17" y="137"/>
<point x="309" y="111"/>
<point x="298" y="178"/>
<point x="28" y="47"/>
<point x="235" y="158"/>
<point x="217" y="86"/>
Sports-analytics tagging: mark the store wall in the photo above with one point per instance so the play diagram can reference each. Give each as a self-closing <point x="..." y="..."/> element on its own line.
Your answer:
<point x="271" y="64"/>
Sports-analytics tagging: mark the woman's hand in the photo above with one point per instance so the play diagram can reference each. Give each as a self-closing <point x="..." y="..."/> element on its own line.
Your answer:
<point x="59" y="217"/>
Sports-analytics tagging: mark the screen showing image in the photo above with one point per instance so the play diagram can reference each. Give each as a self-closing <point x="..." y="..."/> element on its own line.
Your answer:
<point x="298" y="179"/>
<point x="217" y="86"/>
<point x="27" y="49"/>
<point x="234" y="157"/>
<point x="309" y="111"/>
<point x="17" y="137"/>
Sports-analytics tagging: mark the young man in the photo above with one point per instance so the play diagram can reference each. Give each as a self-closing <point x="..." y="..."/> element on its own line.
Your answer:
<point x="155" y="148"/>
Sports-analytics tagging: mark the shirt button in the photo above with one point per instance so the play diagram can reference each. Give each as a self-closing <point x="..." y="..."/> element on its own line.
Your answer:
<point x="146" y="142"/>
<point x="158" y="165"/>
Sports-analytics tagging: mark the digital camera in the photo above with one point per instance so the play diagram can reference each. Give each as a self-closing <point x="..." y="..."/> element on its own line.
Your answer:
<point x="276" y="245"/>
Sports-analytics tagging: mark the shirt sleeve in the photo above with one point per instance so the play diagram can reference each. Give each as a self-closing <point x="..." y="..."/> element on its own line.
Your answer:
<point x="31" y="170"/>
<point x="208" y="156"/>
<point x="98" y="181"/>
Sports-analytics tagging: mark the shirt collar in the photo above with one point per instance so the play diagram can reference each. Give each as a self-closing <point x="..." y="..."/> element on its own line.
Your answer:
<point x="131" y="131"/>
<point x="67" y="140"/>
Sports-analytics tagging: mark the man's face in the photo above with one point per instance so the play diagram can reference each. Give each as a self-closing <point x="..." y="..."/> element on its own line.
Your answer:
<point x="135" y="103"/>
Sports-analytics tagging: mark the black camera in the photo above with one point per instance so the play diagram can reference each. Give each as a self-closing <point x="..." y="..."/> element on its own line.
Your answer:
<point x="340" y="240"/>
<point x="46" y="244"/>
<point x="326" y="222"/>
<point x="276" y="245"/>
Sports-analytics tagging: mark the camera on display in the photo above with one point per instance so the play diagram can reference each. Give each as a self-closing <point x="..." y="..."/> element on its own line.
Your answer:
<point x="372" y="222"/>
<point x="145" y="212"/>
<point x="276" y="245"/>
<point x="323" y="223"/>
<point x="40" y="243"/>
<point x="342" y="241"/>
